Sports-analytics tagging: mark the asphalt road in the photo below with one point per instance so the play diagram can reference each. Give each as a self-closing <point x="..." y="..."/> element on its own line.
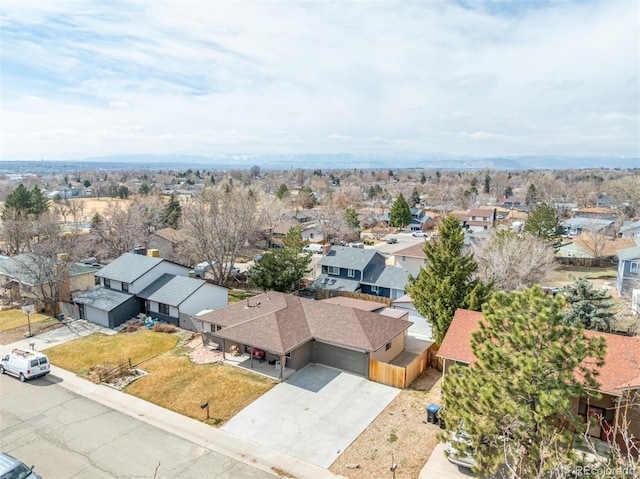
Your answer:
<point x="65" y="435"/>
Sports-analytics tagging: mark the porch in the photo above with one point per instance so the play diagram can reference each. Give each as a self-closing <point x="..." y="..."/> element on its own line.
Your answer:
<point x="263" y="368"/>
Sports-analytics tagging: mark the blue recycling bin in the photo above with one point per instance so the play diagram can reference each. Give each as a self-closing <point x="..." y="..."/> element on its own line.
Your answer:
<point x="432" y="413"/>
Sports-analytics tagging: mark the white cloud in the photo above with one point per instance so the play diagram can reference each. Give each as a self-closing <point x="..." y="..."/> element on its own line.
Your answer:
<point x="118" y="104"/>
<point x="234" y="76"/>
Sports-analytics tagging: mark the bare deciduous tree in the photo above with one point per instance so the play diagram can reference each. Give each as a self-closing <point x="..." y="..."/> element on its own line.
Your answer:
<point x="221" y="220"/>
<point x="514" y="262"/>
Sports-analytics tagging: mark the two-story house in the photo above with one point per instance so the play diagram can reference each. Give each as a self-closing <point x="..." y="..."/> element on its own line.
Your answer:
<point x="136" y="283"/>
<point x="411" y="258"/>
<point x="360" y="270"/>
<point x="628" y="270"/>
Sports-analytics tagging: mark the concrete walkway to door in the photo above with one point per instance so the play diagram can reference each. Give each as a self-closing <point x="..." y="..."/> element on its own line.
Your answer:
<point x="314" y="415"/>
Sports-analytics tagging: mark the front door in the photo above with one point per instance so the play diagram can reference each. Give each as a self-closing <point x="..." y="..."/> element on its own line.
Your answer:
<point x="595" y="415"/>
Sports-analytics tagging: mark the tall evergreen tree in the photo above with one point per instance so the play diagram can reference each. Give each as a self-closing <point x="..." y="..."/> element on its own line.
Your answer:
<point x="415" y="197"/>
<point x="282" y="269"/>
<point x="514" y="401"/>
<point x="446" y="282"/>
<point x="351" y="217"/>
<point x="588" y="307"/>
<point x="400" y="214"/>
<point x="544" y="223"/>
<point x="173" y="212"/>
<point x="282" y="191"/>
<point x="22" y="203"/>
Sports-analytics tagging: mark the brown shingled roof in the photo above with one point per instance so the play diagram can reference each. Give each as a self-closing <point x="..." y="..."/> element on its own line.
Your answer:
<point x="456" y="344"/>
<point x="414" y="251"/>
<point x="621" y="369"/>
<point x="279" y="323"/>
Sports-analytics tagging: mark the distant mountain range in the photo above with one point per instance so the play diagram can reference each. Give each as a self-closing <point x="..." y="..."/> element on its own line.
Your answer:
<point x="315" y="161"/>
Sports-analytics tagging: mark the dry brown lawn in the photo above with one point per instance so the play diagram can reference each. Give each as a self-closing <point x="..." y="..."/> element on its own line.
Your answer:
<point x="14" y="318"/>
<point x="397" y="435"/>
<point x="14" y="327"/>
<point x="81" y="354"/>
<point x="565" y="275"/>
<point x="175" y="382"/>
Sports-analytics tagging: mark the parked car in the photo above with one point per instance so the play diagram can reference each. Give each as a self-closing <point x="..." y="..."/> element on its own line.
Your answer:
<point x="457" y="456"/>
<point x="392" y="240"/>
<point x="420" y="234"/>
<point x="12" y="468"/>
<point x="313" y="248"/>
<point x="25" y="364"/>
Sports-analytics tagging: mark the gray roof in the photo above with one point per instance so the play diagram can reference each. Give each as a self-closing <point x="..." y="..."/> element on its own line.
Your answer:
<point x="629" y="226"/>
<point x="349" y="258"/>
<point x="629" y="253"/>
<point x="30" y="270"/>
<point x="171" y="289"/>
<point x="589" y="224"/>
<point x="129" y="267"/>
<point x="103" y="299"/>
<point x="334" y="283"/>
<point x="386" y="276"/>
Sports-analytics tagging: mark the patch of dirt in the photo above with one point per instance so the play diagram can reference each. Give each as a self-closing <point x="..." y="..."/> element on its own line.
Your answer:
<point x="16" y="334"/>
<point x="398" y="435"/>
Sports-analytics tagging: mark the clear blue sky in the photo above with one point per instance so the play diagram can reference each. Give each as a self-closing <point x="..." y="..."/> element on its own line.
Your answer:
<point x="81" y="79"/>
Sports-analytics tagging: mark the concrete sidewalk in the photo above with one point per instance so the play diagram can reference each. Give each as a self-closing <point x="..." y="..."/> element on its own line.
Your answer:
<point x="217" y="440"/>
<point x="197" y="432"/>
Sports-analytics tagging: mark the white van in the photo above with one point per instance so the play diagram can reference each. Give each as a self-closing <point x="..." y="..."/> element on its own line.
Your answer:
<point x="313" y="248"/>
<point x="25" y="364"/>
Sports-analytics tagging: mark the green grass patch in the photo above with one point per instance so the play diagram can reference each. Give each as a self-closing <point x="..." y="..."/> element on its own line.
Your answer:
<point x="110" y="350"/>
<point x="236" y="295"/>
<point x="14" y="318"/>
<point x="176" y="383"/>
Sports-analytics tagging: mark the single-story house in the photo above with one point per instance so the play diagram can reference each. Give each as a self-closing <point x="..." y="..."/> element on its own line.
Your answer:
<point x="587" y="245"/>
<point x="619" y="377"/>
<point x="578" y="225"/>
<point x="294" y="331"/>
<point x="167" y="242"/>
<point x="630" y="229"/>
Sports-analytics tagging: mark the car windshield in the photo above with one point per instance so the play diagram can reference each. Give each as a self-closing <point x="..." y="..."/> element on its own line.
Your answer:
<point x="19" y="472"/>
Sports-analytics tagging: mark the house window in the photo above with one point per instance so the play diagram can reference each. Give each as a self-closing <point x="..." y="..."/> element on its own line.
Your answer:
<point x="125" y="287"/>
<point x="163" y="308"/>
<point x="634" y="268"/>
<point x="351" y="273"/>
<point x="387" y="347"/>
<point x="375" y="289"/>
<point x="404" y="258"/>
<point x="333" y="270"/>
<point x="106" y="282"/>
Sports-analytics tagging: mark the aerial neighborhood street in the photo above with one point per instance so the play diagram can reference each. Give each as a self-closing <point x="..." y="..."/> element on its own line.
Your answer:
<point x="307" y="240"/>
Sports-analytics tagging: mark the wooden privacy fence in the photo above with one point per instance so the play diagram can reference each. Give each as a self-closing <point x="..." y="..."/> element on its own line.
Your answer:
<point x="433" y="360"/>
<point x="320" y="294"/>
<point x="398" y="376"/>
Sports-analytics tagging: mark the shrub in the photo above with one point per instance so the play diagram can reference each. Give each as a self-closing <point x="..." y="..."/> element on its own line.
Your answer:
<point x="164" y="328"/>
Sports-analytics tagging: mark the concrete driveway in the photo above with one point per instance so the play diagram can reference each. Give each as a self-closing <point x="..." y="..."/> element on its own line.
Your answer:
<point x="439" y="466"/>
<point x="315" y="415"/>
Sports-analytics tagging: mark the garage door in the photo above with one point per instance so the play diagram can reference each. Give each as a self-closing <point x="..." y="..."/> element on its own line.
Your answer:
<point x="340" y="358"/>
